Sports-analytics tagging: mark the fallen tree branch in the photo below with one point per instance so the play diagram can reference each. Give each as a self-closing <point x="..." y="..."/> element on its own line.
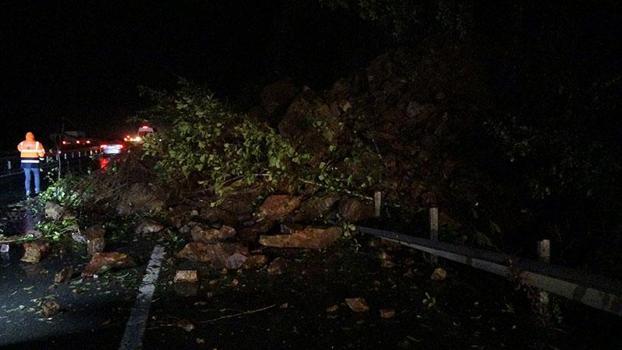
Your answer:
<point x="249" y="312"/>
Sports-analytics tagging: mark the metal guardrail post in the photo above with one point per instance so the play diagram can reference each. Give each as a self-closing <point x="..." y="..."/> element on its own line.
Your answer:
<point x="544" y="255"/>
<point x="592" y="290"/>
<point x="434" y="231"/>
<point x="377" y="204"/>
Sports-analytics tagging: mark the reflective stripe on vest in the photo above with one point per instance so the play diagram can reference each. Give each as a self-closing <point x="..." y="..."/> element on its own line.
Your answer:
<point x="31" y="153"/>
<point x="30" y="161"/>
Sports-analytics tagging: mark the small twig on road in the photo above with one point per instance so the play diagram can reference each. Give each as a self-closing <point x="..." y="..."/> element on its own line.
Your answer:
<point x="249" y="312"/>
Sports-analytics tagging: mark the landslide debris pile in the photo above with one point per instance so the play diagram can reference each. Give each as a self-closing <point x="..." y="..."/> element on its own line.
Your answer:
<point x="294" y="172"/>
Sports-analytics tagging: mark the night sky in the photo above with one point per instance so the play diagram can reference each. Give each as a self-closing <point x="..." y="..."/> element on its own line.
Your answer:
<point x="79" y="63"/>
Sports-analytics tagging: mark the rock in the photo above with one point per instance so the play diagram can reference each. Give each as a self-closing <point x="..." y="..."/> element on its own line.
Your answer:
<point x="357" y="304"/>
<point x="215" y="254"/>
<point x="439" y="274"/>
<point x="95" y="239"/>
<point x="254" y="262"/>
<point x="185" y="325"/>
<point x="63" y="275"/>
<point x="387" y="313"/>
<point x="278" y="266"/>
<point x="304" y="115"/>
<point x="54" y="211"/>
<point x="34" y="233"/>
<point x="385" y="259"/>
<point x="332" y="308"/>
<point x="139" y="199"/>
<point x="214" y="215"/>
<point x="186" y="276"/>
<point x="235" y="261"/>
<point x="315" y="208"/>
<point x="102" y="262"/>
<point x="353" y="210"/>
<point x="50" y="308"/>
<point x="35" y="251"/>
<point x="210" y="235"/>
<point x="277" y="207"/>
<point x="277" y="96"/>
<point x="78" y="237"/>
<point x="311" y="238"/>
<point x="148" y="226"/>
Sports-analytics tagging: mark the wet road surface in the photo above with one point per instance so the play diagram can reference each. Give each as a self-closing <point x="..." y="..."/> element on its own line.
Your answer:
<point x="93" y="311"/>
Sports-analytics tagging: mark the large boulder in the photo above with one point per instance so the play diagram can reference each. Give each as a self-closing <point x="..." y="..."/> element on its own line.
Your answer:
<point x="353" y="210"/>
<point x="277" y="96"/>
<point x="311" y="238"/>
<point x="139" y="199"/>
<point x="209" y="235"/>
<point x="95" y="239"/>
<point x="279" y="206"/>
<point x="149" y="226"/>
<point x="215" y="254"/>
<point x="316" y="207"/>
<point x="54" y="211"/>
<point x="102" y="262"/>
<point x="311" y="123"/>
<point x="35" y="251"/>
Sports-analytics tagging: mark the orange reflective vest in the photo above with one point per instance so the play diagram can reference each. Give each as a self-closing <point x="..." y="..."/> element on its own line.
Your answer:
<point x="30" y="152"/>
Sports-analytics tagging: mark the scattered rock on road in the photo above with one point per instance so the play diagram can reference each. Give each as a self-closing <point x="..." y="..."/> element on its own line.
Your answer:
<point x="186" y="276"/>
<point x="54" y="211"/>
<point x="216" y="254"/>
<point x="50" y="308"/>
<point x="148" y="226"/>
<point x="95" y="239"/>
<point x="357" y="304"/>
<point x="278" y="266"/>
<point x="35" y="251"/>
<point x="235" y="261"/>
<point x="439" y="274"/>
<point x="255" y="262"/>
<point x="63" y="275"/>
<point x="311" y="238"/>
<point x="102" y="262"/>
<point x="387" y="313"/>
<point x="210" y="235"/>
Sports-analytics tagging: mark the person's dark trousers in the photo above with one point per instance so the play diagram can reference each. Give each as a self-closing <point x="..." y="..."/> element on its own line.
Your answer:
<point x="31" y="171"/>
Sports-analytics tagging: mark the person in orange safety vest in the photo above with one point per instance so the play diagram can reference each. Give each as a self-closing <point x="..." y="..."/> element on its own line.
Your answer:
<point x="30" y="152"/>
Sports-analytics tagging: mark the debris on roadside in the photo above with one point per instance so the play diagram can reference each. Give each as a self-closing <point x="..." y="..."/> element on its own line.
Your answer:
<point x="278" y="266"/>
<point x="102" y="262"/>
<point x="95" y="239"/>
<point x="50" y="308"/>
<point x="185" y="325"/>
<point x="439" y="274"/>
<point x="35" y="251"/>
<point x="387" y="313"/>
<point x="63" y="275"/>
<point x="186" y="276"/>
<point x="357" y="304"/>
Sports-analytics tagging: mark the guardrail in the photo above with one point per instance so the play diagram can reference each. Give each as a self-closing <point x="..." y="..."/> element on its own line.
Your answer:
<point x="11" y="165"/>
<point x="595" y="291"/>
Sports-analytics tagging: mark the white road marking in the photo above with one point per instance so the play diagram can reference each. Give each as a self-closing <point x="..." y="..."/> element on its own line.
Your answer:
<point x="135" y="328"/>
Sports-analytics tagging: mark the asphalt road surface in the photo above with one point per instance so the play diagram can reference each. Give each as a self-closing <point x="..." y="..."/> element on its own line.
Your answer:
<point x="93" y="312"/>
